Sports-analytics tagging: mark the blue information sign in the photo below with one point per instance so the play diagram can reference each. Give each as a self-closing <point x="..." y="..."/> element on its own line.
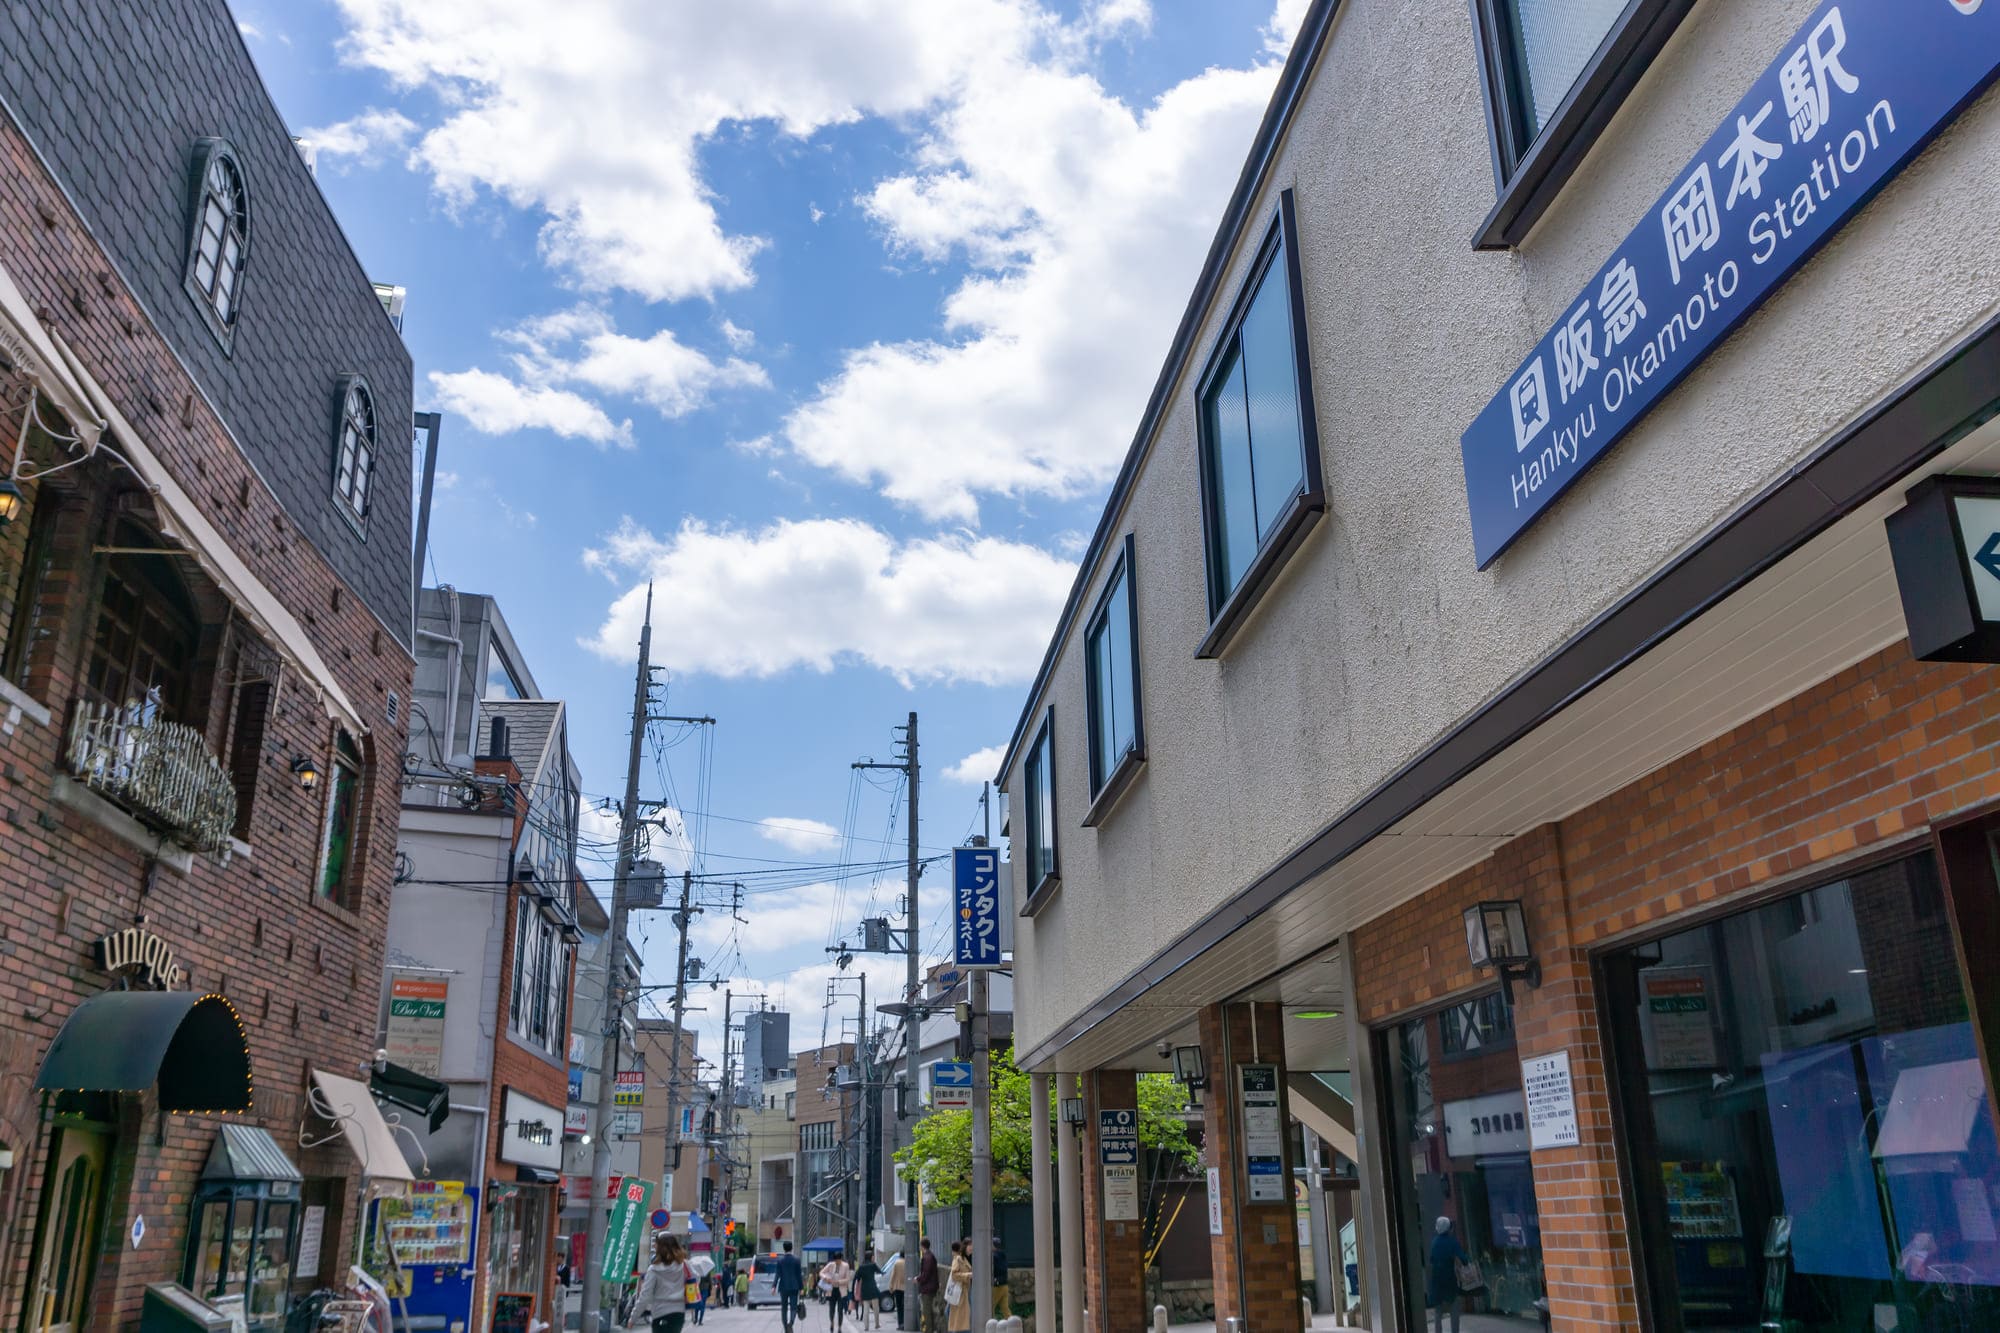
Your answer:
<point x="1856" y="93"/>
<point x="975" y="885"/>
<point x="1117" y="1138"/>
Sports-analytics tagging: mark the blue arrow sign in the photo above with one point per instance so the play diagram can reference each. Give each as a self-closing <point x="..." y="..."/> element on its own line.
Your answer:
<point x="1988" y="558"/>
<point x="951" y="1074"/>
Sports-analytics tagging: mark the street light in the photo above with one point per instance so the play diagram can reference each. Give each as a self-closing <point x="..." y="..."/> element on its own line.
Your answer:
<point x="11" y="501"/>
<point x="1072" y="1113"/>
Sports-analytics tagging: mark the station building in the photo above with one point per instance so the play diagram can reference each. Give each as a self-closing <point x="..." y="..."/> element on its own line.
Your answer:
<point x="1524" y="709"/>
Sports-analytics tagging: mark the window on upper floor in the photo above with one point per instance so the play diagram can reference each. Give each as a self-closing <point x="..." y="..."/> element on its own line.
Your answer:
<point x="354" y="450"/>
<point x="1259" y="439"/>
<point x="1554" y="72"/>
<point x="1039" y="831"/>
<point x="537" y="1008"/>
<point x="1111" y="656"/>
<point x="219" y="236"/>
<point x="340" y="871"/>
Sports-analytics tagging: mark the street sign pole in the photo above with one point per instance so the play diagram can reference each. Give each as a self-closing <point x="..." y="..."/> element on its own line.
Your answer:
<point x="982" y="1079"/>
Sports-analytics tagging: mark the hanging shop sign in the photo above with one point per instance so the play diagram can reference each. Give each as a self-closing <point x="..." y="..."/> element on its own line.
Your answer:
<point x="626" y="1124"/>
<point x="1846" y="103"/>
<point x="415" y="1039"/>
<point x="1945" y="542"/>
<point x="139" y="955"/>
<point x="1551" y="1101"/>
<point x="530" y="1132"/>
<point x="1478" y="1126"/>
<point x="1118" y="1159"/>
<point x="975" y="926"/>
<point x="628" y="1223"/>
<point x="576" y="1121"/>
<point x="630" y="1089"/>
<point x="1263" y="1132"/>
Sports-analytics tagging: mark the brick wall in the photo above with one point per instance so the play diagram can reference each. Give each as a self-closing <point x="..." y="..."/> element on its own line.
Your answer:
<point x="304" y="973"/>
<point x="1255" y="1280"/>
<point x="1884" y="748"/>
<point x="1114" y="1253"/>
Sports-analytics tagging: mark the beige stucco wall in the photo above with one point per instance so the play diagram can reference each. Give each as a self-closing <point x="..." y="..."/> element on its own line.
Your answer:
<point x="1382" y="635"/>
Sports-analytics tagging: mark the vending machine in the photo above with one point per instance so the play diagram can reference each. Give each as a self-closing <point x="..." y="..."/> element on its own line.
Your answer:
<point x="432" y="1231"/>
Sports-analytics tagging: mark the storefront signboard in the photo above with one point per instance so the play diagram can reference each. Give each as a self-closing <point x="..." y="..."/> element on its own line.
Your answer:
<point x="1551" y="1101"/>
<point x="1481" y="1126"/>
<point x="1118" y="1158"/>
<point x="416" y="1022"/>
<point x="576" y="1083"/>
<point x="975" y="927"/>
<point x="1215" y="1201"/>
<point x="530" y="1132"/>
<point x="1263" y="1132"/>
<point x="576" y="1120"/>
<point x="140" y="954"/>
<point x="628" y="1223"/>
<point x="312" y="1234"/>
<point x="630" y="1089"/>
<point x="1856" y="93"/>
<point x="1677" y="1018"/>
<point x="625" y="1124"/>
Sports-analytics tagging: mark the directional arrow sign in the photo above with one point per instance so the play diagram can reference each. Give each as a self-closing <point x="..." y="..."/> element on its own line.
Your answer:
<point x="1988" y="558"/>
<point x="951" y="1084"/>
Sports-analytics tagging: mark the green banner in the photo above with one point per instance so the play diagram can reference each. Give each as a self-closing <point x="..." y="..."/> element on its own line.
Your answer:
<point x="628" y="1224"/>
<point x="416" y="1008"/>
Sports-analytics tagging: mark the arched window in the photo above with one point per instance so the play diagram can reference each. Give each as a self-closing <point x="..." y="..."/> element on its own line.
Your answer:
<point x="219" y="243"/>
<point x="354" y="454"/>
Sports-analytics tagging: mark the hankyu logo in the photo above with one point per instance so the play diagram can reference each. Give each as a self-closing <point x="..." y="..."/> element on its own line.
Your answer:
<point x="1967" y="6"/>
<point x="1531" y="405"/>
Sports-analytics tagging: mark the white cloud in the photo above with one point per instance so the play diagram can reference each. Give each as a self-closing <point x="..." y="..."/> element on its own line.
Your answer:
<point x="495" y="405"/>
<point x="1283" y="28"/>
<point x="1107" y="18"/>
<point x="738" y="337"/>
<point x="826" y="592"/>
<point x="364" y="137"/>
<point x="801" y="835"/>
<point x="977" y="767"/>
<point x="248" y="29"/>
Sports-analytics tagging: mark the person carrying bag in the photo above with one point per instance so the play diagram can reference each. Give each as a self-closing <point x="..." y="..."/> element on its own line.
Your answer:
<point x="663" y="1297"/>
<point x="958" y="1290"/>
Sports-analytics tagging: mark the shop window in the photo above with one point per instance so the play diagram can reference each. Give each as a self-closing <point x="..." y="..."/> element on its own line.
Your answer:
<point x="1475" y="1027"/>
<point x="1807" y="1124"/>
<point x="354" y="449"/>
<point x="339" y="876"/>
<point x="30" y="617"/>
<point x="1259" y="443"/>
<point x="1460" y="1156"/>
<point x="538" y="995"/>
<point x="145" y="640"/>
<point x="219" y="236"/>
<point x="1117" y="737"/>
<point x="1039" y="823"/>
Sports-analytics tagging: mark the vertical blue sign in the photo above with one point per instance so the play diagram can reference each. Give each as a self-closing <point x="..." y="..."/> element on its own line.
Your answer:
<point x="1857" y="92"/>
<point x="975" y="894"/>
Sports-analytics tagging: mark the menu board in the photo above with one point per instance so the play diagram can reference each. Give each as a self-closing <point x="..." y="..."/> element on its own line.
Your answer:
<point x="513" y="1311"/>
<point x="431" y="1225"/>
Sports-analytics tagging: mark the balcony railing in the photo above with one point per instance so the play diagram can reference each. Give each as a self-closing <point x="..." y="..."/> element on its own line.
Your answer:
<point x="160" y="771"/>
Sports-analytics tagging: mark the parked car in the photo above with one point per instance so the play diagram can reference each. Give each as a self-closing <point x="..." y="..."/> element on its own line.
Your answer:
<point x="763" y="1281"/>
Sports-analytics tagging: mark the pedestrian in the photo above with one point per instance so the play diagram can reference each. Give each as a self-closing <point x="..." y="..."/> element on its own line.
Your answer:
<point x="662" y="1299"/>
<point x="868" y="1290"/>
<point x="742" y="1285"/>
<point x="791" y="1280"/>
<point x="1003" y="1298"/>
<point x="1453" y="1273"/>
<point x="961" y="1283"/>
<point x="839" y="1279"/>
<point x="700" y="1311"/>
<point x="929" y="1303"/>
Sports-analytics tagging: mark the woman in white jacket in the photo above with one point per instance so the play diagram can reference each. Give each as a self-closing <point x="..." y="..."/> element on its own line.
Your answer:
<point x="662" y="1296"/>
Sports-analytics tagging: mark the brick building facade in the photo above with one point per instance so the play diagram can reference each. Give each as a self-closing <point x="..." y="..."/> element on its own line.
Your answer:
<point x="204" y="660"/>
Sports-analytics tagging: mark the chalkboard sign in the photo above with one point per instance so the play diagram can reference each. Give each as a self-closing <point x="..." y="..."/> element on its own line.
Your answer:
<point x="513" y="1311"/>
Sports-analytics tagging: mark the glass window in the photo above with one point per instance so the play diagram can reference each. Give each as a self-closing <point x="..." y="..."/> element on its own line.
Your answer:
<point x="501" y="682"/>
<point x="1808" y="1123"/>
<point x="145" y="638"/>
<point x="354" y="459"/>
<point x="220" y="245"/>
<point x="1253" y="446"/>
<point x="1463" y="1186"/>
<point x="1039" y="776"/>
<point x="1114" y="675"/>
<point x="1547" y="45"/>
<point x="343" y="822"/>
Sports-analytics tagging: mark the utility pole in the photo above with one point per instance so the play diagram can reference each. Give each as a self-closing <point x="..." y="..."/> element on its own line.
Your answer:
<point x="682" y="919"/>
<point x="614" y="966"/>
<point x="982" y="1124"/>
<point x="722" y="1209"/>
<point x="913" y="1020"/>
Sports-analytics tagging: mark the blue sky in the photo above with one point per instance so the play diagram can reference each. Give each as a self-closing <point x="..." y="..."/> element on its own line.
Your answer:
<point x="833" y="318"/>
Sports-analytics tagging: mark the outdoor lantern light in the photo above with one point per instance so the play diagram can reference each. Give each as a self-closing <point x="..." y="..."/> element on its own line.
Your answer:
<point x="1496" y="936"/>
<point x="1072" y="1113"/>
<point x="1189" y="1068"/>
<point x="307" y="771"/>
<point x="11" y="501"/>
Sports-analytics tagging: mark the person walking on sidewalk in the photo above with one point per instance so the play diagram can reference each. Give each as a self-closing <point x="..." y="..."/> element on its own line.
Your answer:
<point x="839" y="1279"/>
<point x="1003" y="1297"/>
<point x="929" y="1301"/>
<point x="661" y="1300"/>
<point x="1451" y="1270"/>
<point x="791" y="1280"/>
<point x="961" y="1285"/>
<point x="868" y="1291"/>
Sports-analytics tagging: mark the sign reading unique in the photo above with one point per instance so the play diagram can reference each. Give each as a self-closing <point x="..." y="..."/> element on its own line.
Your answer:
<point x="621" y="1237"/>
<point x="415" y="1038"/>
<point x="1118" y="1159"/>
<point x="142" y="954"/>
<point x="975" y="926"/>
<point x="1263" y="1132"/>
<point x="1551" y="1101"/>
<point x="1858" y="91"/>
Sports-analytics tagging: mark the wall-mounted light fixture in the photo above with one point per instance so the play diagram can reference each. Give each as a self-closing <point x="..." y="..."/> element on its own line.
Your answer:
<point x="306" y="771"/>
<point x="1191" y="1072"/>
<point x="1072" y="1113"/>
<point x="12" y="502"/>
<point x="1496" y="936"/>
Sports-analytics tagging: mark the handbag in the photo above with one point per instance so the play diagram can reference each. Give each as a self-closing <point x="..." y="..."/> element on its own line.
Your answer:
<point x="953" y="1293"/>
<point x="1468" y="1274"/>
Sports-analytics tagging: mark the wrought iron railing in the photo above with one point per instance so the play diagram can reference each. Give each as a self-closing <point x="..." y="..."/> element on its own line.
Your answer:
<point x="161" y="771"/>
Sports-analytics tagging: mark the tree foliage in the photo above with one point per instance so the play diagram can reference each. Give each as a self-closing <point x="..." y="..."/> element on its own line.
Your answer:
<point x="940" y="1150"/>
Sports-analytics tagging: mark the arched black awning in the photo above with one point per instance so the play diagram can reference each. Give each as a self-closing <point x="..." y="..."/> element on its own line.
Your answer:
<point x="192" y="1047"/>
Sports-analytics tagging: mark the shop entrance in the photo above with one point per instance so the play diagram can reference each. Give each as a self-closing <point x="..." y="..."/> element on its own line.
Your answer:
<point x="72" y="1223"/>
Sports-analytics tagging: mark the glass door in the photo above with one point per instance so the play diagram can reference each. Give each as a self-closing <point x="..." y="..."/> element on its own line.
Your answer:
<point x="72" y="1223"/>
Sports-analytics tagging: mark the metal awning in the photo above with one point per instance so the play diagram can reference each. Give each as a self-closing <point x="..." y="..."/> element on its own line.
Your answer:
<point x="412" y="1091"/>
<point x="347" y="1103"/>
<point x="827" y="1244"/>
<point x="191" y="1047"/>
<point x="245" y="1152"/>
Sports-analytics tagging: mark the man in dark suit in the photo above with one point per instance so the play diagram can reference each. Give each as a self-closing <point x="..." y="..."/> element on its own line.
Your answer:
<point x="929" y="1302"/>
<point x="791" y="1281"/>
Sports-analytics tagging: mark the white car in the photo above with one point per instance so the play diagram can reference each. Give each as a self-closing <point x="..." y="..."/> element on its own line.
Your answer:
<point x="763" y="1281"/>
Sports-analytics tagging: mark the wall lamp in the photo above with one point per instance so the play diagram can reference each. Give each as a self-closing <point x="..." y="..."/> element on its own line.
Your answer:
<point x="307" y="772"/>
<point x="1496" y="936"/>
<point x="11" y="501"/>
<point x="1072" y="1113"/>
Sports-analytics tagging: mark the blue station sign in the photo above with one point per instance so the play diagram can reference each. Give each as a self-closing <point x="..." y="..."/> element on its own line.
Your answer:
<point x="975" y="923"/>
<point x="1857" y="92"/>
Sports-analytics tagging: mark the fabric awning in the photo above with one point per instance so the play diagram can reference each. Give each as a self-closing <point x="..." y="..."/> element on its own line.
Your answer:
<point x="28" y="344"/>
<point x="826" y="1243"/>
<point x="191" y="1047"/>
<point x="245" y="1152"/>
<point x="347" y="1103"/>
<point x="413" y="1092"/>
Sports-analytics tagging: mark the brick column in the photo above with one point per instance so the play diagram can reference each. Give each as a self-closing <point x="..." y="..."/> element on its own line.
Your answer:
<point x="1114" y="1252"/>
<point x="1256" y="1257"/>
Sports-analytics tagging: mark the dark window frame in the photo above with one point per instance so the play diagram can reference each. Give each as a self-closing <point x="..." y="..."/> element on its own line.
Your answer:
<point x="1107" y="787"/>
<point x="210" y="154"/>
<point x="1531" y="168"/>
<point x="1040" y="760"/>
<point x="1230" y="608"/>
<point x="352" y="482"/>
<point x="346" y="774"/>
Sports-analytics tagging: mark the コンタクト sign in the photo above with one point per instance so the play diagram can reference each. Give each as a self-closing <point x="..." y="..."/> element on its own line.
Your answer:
<point x="1856" y="93"/>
